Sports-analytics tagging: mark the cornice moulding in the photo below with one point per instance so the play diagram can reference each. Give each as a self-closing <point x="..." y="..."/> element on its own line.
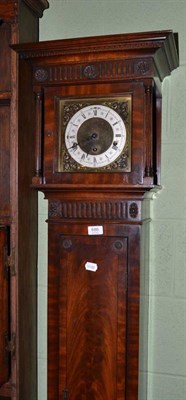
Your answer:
<point x="160" y="46"/>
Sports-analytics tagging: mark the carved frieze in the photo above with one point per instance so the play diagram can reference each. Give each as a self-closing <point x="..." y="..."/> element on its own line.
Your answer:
<point x="113" y="69"/>
<point x="95" y="210"/>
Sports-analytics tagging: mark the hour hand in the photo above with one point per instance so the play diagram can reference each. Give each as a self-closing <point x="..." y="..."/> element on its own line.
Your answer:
<point x="74" y="146"/>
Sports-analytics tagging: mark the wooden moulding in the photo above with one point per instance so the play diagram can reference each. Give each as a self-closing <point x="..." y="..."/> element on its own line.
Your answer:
<point x="160" y="45"/>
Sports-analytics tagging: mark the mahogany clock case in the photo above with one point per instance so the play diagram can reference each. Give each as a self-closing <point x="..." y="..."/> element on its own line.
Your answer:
<point x="98" y="217"/>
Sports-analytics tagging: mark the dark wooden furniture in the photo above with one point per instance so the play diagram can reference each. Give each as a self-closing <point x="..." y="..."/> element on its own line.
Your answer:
<point x="19" y="21"/>
<point x="97" y="218"/>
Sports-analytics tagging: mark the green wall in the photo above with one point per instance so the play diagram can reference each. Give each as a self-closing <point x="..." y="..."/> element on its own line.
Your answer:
<point x="167" y="317"/>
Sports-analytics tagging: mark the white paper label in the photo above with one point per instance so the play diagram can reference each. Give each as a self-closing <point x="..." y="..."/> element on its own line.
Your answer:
<point x="95" y="230"/>
<point x="89" y="266"/>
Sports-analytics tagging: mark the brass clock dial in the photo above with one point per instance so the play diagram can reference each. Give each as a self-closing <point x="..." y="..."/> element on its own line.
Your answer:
<point x="95" y="136"/>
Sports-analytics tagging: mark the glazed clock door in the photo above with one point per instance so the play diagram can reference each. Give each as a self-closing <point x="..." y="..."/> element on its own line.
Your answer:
<point x="91" y="286"/>
<point x="88" y="129"/>
<point x="4" y="319"/>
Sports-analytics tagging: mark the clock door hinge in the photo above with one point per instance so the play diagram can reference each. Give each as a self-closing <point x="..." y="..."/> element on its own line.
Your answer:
<point x="10" y="263"/>
<point x="10" y="345"/>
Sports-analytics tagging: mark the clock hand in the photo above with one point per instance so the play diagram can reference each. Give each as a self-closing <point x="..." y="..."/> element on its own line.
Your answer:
<point x="74" y="146"/>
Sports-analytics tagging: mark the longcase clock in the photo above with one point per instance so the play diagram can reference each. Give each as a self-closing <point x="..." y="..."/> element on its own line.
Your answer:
<point x="19" y="22"/>
<point x="97" y="155"/>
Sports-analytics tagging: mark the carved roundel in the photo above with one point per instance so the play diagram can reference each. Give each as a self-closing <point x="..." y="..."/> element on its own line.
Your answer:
<point x="67" y="243"/>
<point x="133" y="210"/>
<point x="90" y="71"/>
<point x="143" y="67"/>
<point x="54" y="209"/>
<point x="41" y="75"/>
